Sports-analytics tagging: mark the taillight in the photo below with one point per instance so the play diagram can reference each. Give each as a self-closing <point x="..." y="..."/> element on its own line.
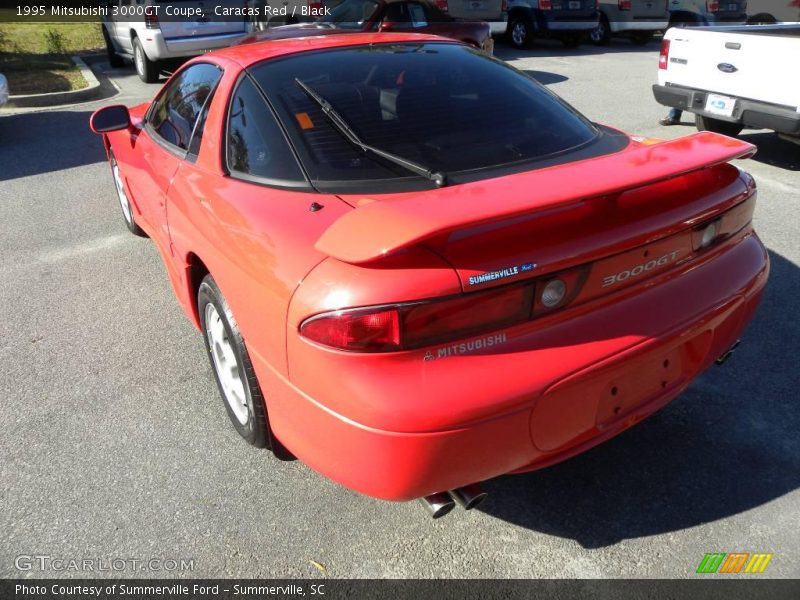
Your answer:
<point x="663" y="57"/>
<point x="545" y="4"/>
<point x="151" y="17"/>
<point x="412" y="325"/>
<point x="624" y="4"/>
<point x="712" y="6"/>
<point x="465" y="316"/>
<point x="442" y="5"/>
<point x="504" y="6"/>
<point x="365" y="330"/>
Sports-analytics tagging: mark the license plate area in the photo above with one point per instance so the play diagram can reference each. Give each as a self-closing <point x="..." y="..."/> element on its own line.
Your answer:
<point x="717" y="104"/>
<point x="475" y="5"/>
<point x="626" y="390"/>
<point x="614" y="395"/>
<point x="574" y="4"/>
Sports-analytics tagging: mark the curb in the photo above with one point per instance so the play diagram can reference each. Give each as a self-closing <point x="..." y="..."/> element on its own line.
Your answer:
<point x="57" y="98"/>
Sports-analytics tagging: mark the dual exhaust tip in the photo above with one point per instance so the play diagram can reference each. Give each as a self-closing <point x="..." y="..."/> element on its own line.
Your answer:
<point x="441" y="503"/>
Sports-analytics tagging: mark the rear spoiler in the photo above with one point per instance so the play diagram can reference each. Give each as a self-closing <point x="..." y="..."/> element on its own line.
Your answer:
<point x="378" y="228"/>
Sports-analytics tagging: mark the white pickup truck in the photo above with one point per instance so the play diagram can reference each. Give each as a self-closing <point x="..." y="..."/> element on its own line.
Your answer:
<point x="733" y="77"/>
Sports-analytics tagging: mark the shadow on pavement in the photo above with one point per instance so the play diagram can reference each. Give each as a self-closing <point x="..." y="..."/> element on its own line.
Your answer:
<point x="726" y="445"/>
<point x="47" y="141"/>
<point x="774" y="151"/>
<point x="545" y="77"/>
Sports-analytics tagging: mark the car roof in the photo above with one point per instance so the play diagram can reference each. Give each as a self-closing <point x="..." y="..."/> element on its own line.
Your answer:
<point x="248" y="54"/>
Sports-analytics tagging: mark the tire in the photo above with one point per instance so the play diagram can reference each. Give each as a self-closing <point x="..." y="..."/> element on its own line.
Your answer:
<point x="520" y="32"/>
<point x="761" y="19"/>
<point x="122" y="198"/>
<point x="114" y="59"/>
<point x="231" y="365"/>
<point x="572" y="40"/>
<point x="717" y="126"/>
<point x="641" y="38"/>
<point x="148" y="70"/>
<point x="601" y="35"/>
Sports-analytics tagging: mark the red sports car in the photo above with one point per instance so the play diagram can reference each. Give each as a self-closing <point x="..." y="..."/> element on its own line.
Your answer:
<point x="415" y="268"/>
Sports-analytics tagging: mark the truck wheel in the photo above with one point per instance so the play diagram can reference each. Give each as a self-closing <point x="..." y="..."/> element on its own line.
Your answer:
<point x="572" y="40"/>
<point x="520" y="32"/>
<point x="717" y="126"/>
<point x="114" y="59"/>
<point x="642" y="38"/>
<point x="231" y="365"/>
<point x="147" y="69"/>
<point x="601" y="35"/>
<point x="761" y="19"/>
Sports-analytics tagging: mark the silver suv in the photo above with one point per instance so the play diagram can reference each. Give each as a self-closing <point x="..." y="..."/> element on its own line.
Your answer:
<point x="150" y="31"/>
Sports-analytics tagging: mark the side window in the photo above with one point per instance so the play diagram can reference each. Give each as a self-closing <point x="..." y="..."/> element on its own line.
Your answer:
<point x="175" y="111"/>
<point x="417" y="14"/>
<point x="397" y="13"/>
<point x="194" y="145"/>
<point x="255" y="143"/>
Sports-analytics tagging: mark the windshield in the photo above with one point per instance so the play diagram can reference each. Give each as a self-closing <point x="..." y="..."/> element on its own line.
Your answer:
<point x="442" y="105"/>
<point x="351" y="14"/>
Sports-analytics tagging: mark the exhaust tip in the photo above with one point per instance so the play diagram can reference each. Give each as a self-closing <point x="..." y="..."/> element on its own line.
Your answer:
<point x="469" y="496"/>
<point x="438" y="504"/>
<point x="728" y="353"/>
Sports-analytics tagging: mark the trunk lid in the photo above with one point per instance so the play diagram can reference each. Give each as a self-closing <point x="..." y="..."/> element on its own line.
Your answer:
<point x="476" y="10"/>
<point x="649" y="9"/>
<point x="573" y="9"/>
<point x="520" y="226"/>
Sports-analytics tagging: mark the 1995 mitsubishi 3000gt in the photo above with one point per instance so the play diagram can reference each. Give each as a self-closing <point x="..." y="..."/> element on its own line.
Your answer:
<point x="416" y="269"/>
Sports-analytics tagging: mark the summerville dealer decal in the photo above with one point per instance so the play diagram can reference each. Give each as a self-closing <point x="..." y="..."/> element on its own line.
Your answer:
<point x="501" y="273"/>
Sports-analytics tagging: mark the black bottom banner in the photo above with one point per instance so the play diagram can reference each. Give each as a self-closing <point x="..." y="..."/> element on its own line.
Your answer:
<point x="333" y="589"/>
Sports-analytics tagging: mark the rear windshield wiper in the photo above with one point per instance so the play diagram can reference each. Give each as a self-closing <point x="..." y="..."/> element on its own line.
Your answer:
<point x="341" y="125"/>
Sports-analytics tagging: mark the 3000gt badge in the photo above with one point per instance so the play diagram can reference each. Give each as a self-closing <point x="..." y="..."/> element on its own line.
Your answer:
<point x="639" y="269"/>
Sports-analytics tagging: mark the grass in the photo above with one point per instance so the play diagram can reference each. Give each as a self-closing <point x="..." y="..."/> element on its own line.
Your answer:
<point x="40" y="73"/>
<point x="77" y="38"/>
<point x="35" y="57"/>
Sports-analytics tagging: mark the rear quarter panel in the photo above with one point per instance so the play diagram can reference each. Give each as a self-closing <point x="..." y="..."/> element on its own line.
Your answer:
<point x="256" y="241"/>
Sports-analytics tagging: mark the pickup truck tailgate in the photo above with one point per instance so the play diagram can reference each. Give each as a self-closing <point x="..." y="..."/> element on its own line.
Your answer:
<point x="754" y="66"/>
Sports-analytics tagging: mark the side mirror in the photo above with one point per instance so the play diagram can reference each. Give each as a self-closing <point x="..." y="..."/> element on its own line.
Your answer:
<point x="387" y="26"/>
<point x="110" y="118"/>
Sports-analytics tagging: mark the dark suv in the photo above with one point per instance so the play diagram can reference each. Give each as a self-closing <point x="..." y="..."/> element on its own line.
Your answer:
<point x="567" y="20"/>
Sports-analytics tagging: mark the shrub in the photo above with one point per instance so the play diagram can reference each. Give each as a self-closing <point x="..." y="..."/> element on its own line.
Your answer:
<point x="55" y="42"/>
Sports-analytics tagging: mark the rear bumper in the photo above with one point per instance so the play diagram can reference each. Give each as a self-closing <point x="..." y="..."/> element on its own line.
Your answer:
<point x="498" y="27"/>
<point x="751" y="113"/>
<point x="586" y="380"/>
<point x="559" y="26"/>
<point x="624" y="26"/>
<point x="159" y="48"/>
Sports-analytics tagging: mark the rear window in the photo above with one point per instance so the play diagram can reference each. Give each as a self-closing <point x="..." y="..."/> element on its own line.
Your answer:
<point x="445" y="106"/>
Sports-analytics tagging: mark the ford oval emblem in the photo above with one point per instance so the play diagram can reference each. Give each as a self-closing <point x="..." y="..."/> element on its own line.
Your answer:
<point x="727" y="68"/>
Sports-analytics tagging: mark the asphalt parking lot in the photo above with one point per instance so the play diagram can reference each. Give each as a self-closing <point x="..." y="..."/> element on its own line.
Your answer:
<point x="116" y="444"/>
